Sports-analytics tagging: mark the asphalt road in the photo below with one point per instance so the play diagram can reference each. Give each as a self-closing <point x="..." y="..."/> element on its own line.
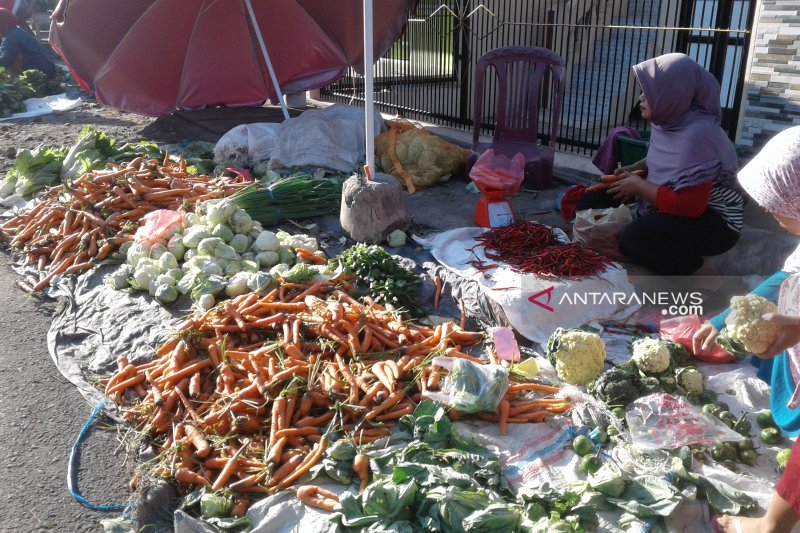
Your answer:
<point x="41" y="414"/>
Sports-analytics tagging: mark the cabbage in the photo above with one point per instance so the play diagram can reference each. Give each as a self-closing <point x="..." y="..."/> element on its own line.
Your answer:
<point x="279" y="270"/>
<point x="210" y="268"/>
<point x="266" y="241"/>
<point x="167" y="262"/>
<point x="165" y="279"/>
<point x="195" y="263"/>
<point x="145" y="276"/>
<point x="286" y="256"/>
<point x="208" y="285"/>
<point x="228" y="209"/>
<point x="250" y="266"/>
<point x="241" y="221"/>
<point x="190" y="253"/>
<point x="206" y="302"/>
<point x="250" y="256"/>
<point x="215" y="505"/>
<point x="232" y="268"/>
<point x="208" y="246"/>
<point x="124" y="247"/>
<point x="240" y="243"/>
<point x="214" y="214"/>
<point x="176" y="274"/>
<point x="175" y="246"/>
<point x="192" y="238"/>
<point x="259" y="282"/>
<point x="119" y="279"/>
<point x="224" y="251"/>
<point x="166" y="294"/>
<point x="267" y="259"/>
<point x="191" y="220"/>
<point x="300" y="273"/>
<point x="157" y="250"/>
<point x="186" y="283"/>
<point x="223" y="232"/>
<point x="136" y="252"/>
<point x="146" y="261"/>
<point x="237" y="285"/>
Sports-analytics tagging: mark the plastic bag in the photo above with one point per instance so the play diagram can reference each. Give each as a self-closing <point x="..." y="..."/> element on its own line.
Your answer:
<point x="599" y="229"/>
<point x="469" y="387"/>
<point x="158" y="226"/>
<point x="496" y="172"/>
<point x="681" y="330"/>
<point x="661" y="421"/>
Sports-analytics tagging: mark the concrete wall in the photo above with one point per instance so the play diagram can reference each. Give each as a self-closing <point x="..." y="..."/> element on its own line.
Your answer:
<point x="772" y="95"/>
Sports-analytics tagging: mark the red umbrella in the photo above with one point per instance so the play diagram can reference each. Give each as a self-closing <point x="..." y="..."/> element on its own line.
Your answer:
<point x="154" y="56"/>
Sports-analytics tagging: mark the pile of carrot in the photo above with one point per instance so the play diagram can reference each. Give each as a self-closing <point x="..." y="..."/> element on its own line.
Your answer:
<point x="247" y="396"/>
<point x="76" y="226"/>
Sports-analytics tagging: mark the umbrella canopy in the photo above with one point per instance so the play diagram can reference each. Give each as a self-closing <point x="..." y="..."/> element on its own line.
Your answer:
<point x="154" y="56"/>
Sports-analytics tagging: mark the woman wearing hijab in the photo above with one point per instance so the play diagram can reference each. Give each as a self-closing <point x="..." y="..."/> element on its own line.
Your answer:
<point x="20" y="50"/>
<point x="772" y="179"/>
<point x="687" y="201"/>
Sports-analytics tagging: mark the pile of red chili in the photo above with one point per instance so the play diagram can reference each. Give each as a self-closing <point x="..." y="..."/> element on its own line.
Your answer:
<point x="533" y="248"/>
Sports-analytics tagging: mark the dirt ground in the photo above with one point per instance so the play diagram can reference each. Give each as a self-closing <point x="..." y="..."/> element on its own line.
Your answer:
<point x="41" y="413"/>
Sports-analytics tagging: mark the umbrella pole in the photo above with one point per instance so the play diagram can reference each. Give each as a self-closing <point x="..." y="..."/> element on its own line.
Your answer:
<point x="369" y="104"/>
<point x="266" y="59"/>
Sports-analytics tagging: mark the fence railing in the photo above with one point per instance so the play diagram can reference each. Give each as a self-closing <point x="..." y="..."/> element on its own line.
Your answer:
<point x="428" y="75"/>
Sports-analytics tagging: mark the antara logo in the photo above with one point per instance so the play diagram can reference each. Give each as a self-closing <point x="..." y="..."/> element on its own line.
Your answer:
<point x="535" y="298"/>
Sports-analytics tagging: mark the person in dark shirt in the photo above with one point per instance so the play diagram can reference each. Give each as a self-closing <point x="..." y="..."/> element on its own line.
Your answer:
<point x="20" y="50"/>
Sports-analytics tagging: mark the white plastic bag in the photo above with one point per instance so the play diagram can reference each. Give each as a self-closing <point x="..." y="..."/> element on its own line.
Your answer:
<point x="247" y="144"/>
<point x="599" y="229"/>
<point x="470" y="387"/>
<point x="663" y="421"/>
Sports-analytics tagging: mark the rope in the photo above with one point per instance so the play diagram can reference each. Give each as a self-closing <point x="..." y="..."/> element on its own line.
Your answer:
<point x="72" y="467"/>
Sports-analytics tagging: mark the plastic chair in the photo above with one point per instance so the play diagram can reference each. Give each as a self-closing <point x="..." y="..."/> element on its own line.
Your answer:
<point x="521" y="83"/>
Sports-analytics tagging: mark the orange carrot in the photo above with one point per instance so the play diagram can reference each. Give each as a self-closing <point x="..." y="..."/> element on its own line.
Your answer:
<point x="361" y="467"/>
<point x="538" y="387"/>
<point x="229" y="468"/>
<point x="318" y="498"/>
<point x="239" y="509"/>
<point x="188" y="477"/>
<point x="504" y="408"/>
<point x="197" y="440"/>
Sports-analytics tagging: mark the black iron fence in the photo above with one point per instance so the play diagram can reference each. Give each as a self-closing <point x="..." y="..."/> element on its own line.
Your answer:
<point x="428" y="75"/>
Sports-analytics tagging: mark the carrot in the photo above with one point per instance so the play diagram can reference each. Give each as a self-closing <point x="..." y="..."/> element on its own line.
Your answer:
<point x="184" y="372"/>
<point x="361" y="467"/>
<point x="452" y="352"/>
<point x="310" y="460"/>
<point x="186" y="476"/>
<point x="310" y="257"/>
<point x="396" y="413"/>
<point x="392" y="400"/>
<point x="538" y="387"/>
<point x="239" y="509"/>
<point x="298" y="432"/>
<point x="311" y="421"/>
<point x="122" y="386"/>
<point x="229" y="468"/>
<point x="380" y="373"/>
<point x="197" y="440"/>
<point x="318" y="498"/>
<point x="275" y="452"/>
<point x="278" y="411"/>
<point x="188" y="405"/>
<point x="504" y="409"/>
<point x="194" y="385"/>
<point x="437" y="281"/>
<point x="289" y="466"/>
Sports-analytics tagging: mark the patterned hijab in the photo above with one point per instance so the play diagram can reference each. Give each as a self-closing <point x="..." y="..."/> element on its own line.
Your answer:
<point x="772" y="179"/>
<point x="687" y="145"/>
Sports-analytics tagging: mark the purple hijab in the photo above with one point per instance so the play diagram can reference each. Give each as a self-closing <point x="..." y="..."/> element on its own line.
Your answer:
<point x="687" y="145"/>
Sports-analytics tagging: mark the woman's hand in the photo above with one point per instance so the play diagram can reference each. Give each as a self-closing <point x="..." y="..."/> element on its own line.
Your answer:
<point x="627" y="188"/>
<point x="790" y="335"/>
<point x="703" y="338"/>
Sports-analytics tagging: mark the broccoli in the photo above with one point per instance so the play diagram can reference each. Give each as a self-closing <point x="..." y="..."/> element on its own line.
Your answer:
<point x="619" y="385"/>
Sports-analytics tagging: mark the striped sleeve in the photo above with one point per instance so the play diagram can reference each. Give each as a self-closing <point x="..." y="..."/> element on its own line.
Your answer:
<point x="729" y="204"/>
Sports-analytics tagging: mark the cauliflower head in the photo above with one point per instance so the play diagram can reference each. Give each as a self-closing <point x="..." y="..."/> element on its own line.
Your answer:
<point x="690" y="380"/>
<point x="577" y="355"/>
<point x="651" y="356"/>
<point x="746" y="326"/>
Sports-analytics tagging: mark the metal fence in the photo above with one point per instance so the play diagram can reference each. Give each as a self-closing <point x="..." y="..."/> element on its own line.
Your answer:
<point x="428" y="75"/>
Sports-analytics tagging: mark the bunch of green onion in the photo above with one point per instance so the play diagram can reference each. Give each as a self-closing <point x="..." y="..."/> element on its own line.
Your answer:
<point x="293" y="198"/>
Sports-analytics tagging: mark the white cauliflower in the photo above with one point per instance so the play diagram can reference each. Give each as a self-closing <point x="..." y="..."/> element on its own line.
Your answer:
<point x="577" y="355"/>
<point x="746" y="326"/>
<point x="690" y="380"/>
<point x="651" y="356"/>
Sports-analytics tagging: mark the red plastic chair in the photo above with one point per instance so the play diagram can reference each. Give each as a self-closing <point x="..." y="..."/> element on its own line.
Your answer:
<point x="520" y="85"/>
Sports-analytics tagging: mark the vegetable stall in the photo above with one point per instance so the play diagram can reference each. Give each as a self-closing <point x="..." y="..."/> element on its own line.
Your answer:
<point x="272" y="372"/>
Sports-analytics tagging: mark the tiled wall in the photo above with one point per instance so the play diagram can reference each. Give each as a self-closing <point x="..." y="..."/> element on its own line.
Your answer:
<point x="772" y="101"/>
